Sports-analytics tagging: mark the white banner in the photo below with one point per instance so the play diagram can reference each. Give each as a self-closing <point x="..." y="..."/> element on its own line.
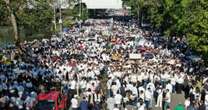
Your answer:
<point x="103" y="4"/>
<point x="135" y="56"/>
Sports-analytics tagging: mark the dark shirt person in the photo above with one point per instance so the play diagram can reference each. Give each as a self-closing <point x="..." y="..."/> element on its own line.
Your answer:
<point x="84" y="104"/>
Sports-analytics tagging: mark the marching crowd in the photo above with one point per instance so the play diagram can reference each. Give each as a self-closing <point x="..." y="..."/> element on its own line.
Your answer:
<point x="110" y="65"/>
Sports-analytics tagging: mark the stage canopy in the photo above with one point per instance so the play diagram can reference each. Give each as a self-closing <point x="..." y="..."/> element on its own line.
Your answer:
<point x="103" y="4"/>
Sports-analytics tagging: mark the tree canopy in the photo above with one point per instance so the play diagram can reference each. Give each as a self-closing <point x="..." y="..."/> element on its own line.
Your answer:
<point x="178" y="18"/>
<point x="33" y="15"/>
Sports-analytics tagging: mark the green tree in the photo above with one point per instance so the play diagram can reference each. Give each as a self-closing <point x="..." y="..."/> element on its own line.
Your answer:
<point x="12" y="16"/>
<point x="178" y="18"/>
<point x="4" y="14"/>
<point x="197" y="32"/>
<point x="37" y="18"/>
<point x="182" y="18"/>
<point x="80" y="11"/>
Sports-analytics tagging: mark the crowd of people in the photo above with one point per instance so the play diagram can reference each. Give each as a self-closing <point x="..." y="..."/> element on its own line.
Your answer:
<point x="104" y="64"/>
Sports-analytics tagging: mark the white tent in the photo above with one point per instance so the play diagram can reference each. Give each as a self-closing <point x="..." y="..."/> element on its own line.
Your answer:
<point x="103" y="4"/>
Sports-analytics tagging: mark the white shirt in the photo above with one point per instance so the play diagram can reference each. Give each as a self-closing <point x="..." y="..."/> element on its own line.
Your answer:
<point x="134" y="91"/>
<point x="73" y="85"/>
<point x="140" y="107"/>
<point x="206" y="100"/>
<point x="173" y="80"/>
<point x="74" y="103"/>
<point x="167" y="76"/>
<point x="109" y="82"/>
<point x="151" y="86"/>
<point x="115" y="109"/>
<point x="114" y="89"/>
<point x="139" y="78"/>
<point x="148" y="95"/>
<point x="180" y="80"/>
<point x="129" y="87"/>
<point x="187" y="103"/>
<point x="118" y="99"/>
<point x="169" y="87"/>
<point x="141" y="88"/>
<point x="110" y="103"/>
<point x="83" y="84"/>
<point x="133" y="78"/>
<point x="168" y="96"/>
<point x="156" y="78"/>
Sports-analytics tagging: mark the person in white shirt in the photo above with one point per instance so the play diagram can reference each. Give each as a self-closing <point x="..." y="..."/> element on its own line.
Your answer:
<point x="151" y="86"/>
<point x="169" y="87"/>
<point x="142" y="95"/>
<point x="179" y="84"/>
<point x="118" y="99"/>
<point x="83" y="84"/>
<point x="73" y="87"/>
<point x="110" y="103"/>
<point x="129" y="86"/>
<point x="140" y="105"/>
<point x="168" y="96"/>
<point x="159" y="98"/>
<point x="141" y="88"/>
<point x="148" y="98"/>
<point x="187" y="103"/>
<point x="114" y="88"/>
<point x="134" y="91"/>
<point x="206" y="100"/>
<point x="74" y="103"/>
<point x="109" y="83"/>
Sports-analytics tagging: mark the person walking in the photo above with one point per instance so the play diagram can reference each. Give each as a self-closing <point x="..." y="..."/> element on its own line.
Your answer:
<point x="74" y="103"/>
<point x="83" y="104"/>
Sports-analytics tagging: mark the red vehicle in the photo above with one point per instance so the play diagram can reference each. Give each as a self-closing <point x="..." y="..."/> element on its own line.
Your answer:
<point x="51" y="101"/>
